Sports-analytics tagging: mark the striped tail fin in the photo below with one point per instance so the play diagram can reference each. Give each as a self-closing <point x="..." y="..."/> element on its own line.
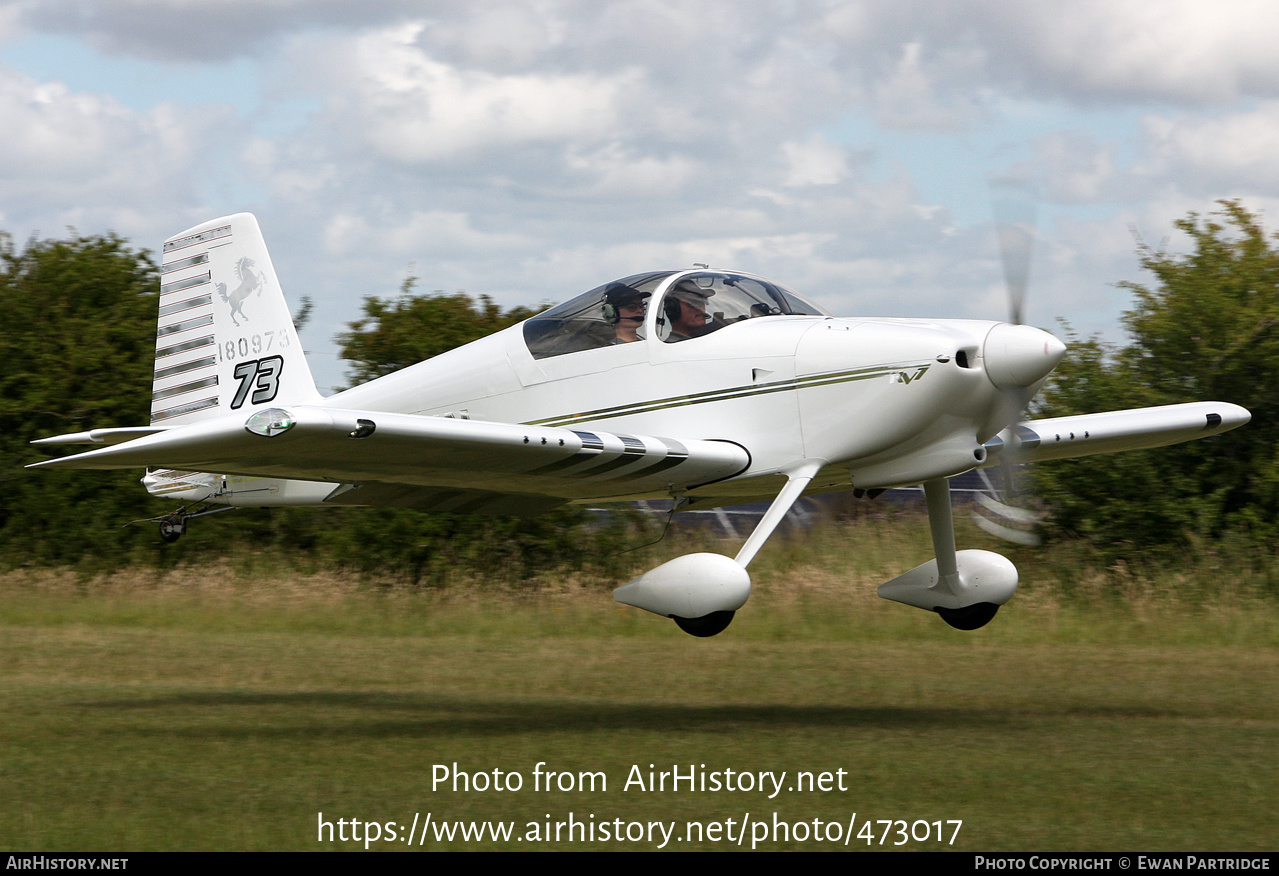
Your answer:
<point x="225" y="339"/>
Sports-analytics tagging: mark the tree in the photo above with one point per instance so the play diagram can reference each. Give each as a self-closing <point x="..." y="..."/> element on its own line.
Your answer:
<point x="1206" y="329"/>
<point x="397" y="333"/>
<point x="77" y="350"/>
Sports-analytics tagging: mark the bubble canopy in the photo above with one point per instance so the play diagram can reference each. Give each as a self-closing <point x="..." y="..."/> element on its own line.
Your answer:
<point x="591" y="320"/>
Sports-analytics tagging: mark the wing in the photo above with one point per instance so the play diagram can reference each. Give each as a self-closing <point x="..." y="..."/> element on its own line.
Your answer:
<point x="1113" y="431"/>
<point x="425" y="462"/>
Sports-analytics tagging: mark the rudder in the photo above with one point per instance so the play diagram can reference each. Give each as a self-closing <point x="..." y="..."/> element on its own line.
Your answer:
<point x="225" y="339"/>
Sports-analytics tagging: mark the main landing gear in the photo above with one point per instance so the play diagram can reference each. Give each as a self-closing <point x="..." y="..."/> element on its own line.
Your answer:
<point x="702" y="592"/>
<point x="965" y="588"/>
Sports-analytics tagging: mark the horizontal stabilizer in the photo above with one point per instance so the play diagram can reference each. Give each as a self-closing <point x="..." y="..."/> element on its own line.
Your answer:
<point x="102" y="436"/>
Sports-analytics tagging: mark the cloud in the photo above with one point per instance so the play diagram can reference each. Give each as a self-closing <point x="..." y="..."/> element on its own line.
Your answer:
<point x="422" y="233"/>
<point x="1216" y="155"/>
<point x="1071" y="167"/>
<point x="911" y="54"/>
<point x="10" y="22"/>
<point x="410" y="107"/>
<point x="199" y="31"/>
<point x="913" y="94"/>
<point x="919" y="55"/>
<point x="814" y="162"/>
<point x="71" y="157"/>
<point x="1181" y="50"/>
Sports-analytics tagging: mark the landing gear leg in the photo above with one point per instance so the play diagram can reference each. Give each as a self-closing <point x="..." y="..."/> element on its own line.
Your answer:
<point x="942" y="524"/>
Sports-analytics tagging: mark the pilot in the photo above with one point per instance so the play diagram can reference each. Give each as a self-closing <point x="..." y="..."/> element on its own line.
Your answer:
<point x="685" y="309"/>
<point x="624" y="308"/>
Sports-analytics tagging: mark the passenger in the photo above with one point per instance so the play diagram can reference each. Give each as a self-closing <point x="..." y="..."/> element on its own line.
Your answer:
<point x="624" y="307"/>
<point x="685" y="309"/>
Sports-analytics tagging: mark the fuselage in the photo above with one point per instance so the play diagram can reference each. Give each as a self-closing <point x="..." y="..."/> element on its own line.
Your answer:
<point x="878" y="402"/>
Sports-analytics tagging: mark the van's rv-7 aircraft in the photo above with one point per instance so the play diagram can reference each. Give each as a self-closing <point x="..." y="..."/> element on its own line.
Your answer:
<point x="733" y="390"/>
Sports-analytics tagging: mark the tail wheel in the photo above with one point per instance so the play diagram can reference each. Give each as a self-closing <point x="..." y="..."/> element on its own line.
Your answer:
<point x="172" y="528"/>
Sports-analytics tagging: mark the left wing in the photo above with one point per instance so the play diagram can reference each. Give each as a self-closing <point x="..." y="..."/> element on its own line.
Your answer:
<point x="1113" y="431"/>
<point x="370" y="448"/>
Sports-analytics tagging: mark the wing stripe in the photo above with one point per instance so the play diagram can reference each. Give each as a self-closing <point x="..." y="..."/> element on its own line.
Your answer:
<point x="590" y="441"/>
<point x="561" y="464"/>
<point x="660" y="466"/>
<point x="625" y="459"/>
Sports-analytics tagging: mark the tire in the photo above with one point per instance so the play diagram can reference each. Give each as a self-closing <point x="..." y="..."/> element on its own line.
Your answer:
<point x="970" y="617"/>
<point x="706" y="626"/>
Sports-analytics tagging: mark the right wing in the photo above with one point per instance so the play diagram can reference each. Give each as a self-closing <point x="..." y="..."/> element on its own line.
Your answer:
<point x="406" y="459"/>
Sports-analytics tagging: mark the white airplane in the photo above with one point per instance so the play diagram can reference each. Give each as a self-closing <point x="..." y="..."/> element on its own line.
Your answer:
<point x="701" y="386"/>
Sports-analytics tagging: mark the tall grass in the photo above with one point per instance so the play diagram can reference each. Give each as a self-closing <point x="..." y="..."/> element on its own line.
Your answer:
<point x="223" y="705"/>
<point x="821" y="580"/>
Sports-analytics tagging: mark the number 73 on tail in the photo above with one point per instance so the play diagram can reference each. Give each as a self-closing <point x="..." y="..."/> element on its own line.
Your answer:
<point x="703" y="387"/>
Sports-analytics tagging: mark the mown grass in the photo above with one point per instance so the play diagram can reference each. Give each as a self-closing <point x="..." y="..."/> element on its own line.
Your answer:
<point x="224" y="708"/>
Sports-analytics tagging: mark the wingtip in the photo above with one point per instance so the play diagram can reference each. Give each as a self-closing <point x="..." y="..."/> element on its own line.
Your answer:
<point x="1227" y="416"/>
<point x="73" y="438"/>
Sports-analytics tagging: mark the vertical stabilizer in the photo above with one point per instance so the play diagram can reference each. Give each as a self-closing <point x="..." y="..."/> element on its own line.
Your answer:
<point x="225" y="339"/>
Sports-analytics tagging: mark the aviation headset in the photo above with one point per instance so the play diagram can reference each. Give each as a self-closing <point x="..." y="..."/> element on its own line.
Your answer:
<point x="619" y="295"/>
<point x="681" y="292"/>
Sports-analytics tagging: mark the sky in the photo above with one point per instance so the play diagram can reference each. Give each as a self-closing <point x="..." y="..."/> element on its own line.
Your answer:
<point x="531" y="150"/>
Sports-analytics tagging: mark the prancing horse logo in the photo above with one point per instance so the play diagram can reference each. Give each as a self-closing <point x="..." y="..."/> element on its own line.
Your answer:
<point x="251" y="281"/>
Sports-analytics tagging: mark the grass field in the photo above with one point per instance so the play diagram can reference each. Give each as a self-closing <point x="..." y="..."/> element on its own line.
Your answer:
<point x="227" y="708"/>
